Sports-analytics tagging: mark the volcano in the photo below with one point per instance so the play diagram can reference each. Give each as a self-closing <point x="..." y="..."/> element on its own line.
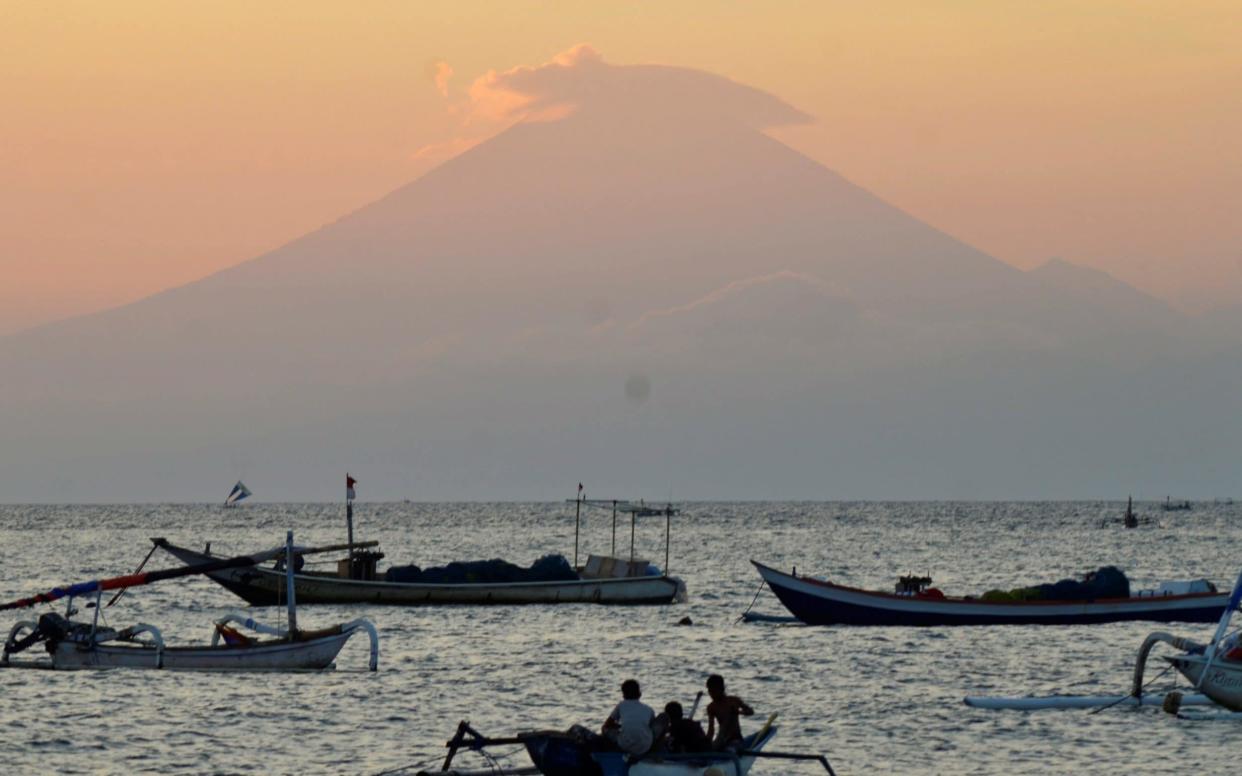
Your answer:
<point x="646" y="292"/>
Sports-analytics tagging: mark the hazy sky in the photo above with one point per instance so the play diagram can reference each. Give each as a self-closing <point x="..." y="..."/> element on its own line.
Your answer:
<point x="146" y="144"/>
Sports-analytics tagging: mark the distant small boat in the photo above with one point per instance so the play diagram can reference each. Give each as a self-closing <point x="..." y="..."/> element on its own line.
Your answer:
<point x="1129" y="519"/>
<point x="818" y="602"/>
<point x="239" y="492"/>
<point x="1170" y="505"/>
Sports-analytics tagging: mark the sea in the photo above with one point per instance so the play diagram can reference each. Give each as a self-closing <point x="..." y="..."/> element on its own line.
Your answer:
<point x="873" y="700"/>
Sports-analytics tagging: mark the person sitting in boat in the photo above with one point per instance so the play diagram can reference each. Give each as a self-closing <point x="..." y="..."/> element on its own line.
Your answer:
<point x="629" y="724"/>
<point x="723" y="726"/>
<point x="683" y="735"/>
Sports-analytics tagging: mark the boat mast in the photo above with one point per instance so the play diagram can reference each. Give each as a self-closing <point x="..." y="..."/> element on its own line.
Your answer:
<point x="290" y="597"/>
<point x="668" y="534"/>
<point x="349" y="518"/>
<point x="577" y="523"/>
<point x="614" y="528"/>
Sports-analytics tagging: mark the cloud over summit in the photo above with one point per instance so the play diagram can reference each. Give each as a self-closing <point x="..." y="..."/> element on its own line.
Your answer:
<point x="580" y="79"/>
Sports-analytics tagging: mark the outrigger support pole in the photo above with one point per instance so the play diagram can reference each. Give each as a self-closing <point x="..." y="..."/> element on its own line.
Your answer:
<point x="467" y="737"/>
<point x="819" y="758"/>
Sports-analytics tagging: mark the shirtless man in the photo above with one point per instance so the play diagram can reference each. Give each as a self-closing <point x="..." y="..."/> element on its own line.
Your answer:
<point x="723" y="727"/>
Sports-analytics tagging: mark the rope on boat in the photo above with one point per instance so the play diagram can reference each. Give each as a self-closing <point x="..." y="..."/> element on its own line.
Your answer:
<point x="141" y="566"/>
<point x="493" y="760"/>
<point x="762" y="583"/>
<point x="1126" y="697"/>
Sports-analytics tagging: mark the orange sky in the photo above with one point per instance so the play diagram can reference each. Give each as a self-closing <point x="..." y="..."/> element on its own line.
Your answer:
<point x="146" y="144"/>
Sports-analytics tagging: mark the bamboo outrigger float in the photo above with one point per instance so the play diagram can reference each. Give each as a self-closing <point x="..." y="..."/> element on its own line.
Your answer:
<point x="79" y="645"/>
<point x="607" y="580"/>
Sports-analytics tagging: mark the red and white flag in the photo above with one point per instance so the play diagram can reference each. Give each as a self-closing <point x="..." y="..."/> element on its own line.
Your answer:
<point x="350" y="482"/>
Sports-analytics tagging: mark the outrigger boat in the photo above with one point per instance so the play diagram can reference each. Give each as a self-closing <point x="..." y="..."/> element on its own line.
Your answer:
<point x="601" y="580"/>
<point x="1213" y="669"/>
<point x="555" y="753"/>
<point x="79" y="645"/>
<point x="819" y="602"/>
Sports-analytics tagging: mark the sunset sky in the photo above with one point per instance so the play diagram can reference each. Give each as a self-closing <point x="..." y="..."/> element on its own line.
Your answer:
<point x="146" y="144"/>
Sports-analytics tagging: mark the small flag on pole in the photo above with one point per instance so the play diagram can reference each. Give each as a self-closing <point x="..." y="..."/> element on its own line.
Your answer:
<point x="579" y="490"/>
<point x="350" y="482"/>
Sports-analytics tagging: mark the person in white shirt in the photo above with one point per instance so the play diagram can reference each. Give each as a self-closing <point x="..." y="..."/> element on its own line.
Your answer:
<point x="629" y="724"/>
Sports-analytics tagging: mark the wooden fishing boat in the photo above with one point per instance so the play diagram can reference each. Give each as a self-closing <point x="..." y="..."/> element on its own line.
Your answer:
<point x="555" y="753"/>
<point x="819" y="602"/>
<point x="600" y="581"/>
<point x="608" y="580"/>
<point x="74" y="645"/>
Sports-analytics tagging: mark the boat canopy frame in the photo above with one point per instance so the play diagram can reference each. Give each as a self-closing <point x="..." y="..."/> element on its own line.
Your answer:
<point x="635" y="511"/>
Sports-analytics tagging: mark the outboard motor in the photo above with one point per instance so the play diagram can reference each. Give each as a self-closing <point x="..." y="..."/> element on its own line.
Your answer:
<point x="54" y="628"/>
<point x="51" y="628"/>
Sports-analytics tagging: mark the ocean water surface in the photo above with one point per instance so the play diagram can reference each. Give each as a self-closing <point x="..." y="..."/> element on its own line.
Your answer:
<point x="874" y="700"/>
